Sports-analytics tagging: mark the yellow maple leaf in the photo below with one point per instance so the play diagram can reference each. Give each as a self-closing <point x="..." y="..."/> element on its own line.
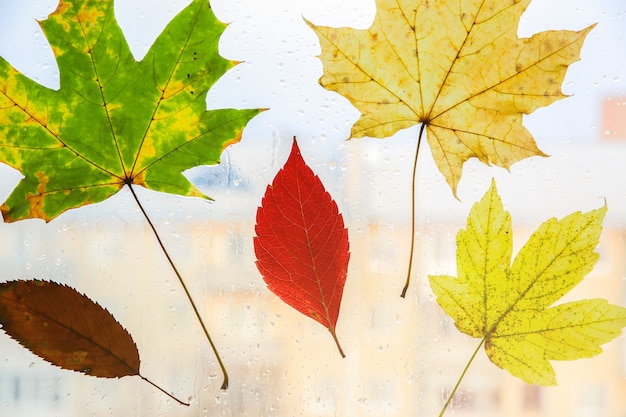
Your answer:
<point x="511" y="306"/>
<point x="457" y="67"/>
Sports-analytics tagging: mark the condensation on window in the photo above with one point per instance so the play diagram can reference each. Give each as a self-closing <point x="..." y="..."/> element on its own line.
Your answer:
<point x="403" y="356"/>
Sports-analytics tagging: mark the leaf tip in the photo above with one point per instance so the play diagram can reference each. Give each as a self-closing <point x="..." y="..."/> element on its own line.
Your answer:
<point x="589" y="28"/>
<point x="6" y="214"/>
<point x="309" y="23"/>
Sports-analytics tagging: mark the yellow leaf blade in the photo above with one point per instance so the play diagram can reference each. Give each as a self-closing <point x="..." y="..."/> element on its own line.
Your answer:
<point x="452" y="293"/>
<point x="509" y="306"/>
<point x="492" y="144"/>
<point x="566" y="332"/>
<point x="457" y="66"/>
<point x="483" y="258"/>
<point x="555" y="259"/>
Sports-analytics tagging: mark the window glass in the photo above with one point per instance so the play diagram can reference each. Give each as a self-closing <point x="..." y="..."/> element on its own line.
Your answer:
<point x="403" y="356"/>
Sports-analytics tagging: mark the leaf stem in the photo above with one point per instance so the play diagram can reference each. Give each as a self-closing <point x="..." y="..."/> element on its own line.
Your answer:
<point x="163" y="391"/>
<point x="182" y="283"/>
<point x="445" y="406"/>
<point x="334" y="334"/>
<point x="417" y="152"/>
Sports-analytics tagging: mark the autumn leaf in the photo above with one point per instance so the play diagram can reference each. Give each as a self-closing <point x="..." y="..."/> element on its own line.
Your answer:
<point x="301" y="243"/>
<point x="67" y="329"/>
<point x="456" y="67"/>
<point x="114" y="121"/>
<point x="511" y="307"/>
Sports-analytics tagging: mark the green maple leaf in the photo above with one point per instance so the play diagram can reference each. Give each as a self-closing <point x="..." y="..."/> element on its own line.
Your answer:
<point x="114" y="121"/>
<point x="511" y="306"/>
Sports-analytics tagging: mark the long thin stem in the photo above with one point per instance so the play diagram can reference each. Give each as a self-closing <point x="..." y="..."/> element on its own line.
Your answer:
<point x="182" y="283"/>
<point x="332" y="331"/>
<point x="417" y="152"/>
<point x="163" y="391"/>
<point x="445" y="406"/>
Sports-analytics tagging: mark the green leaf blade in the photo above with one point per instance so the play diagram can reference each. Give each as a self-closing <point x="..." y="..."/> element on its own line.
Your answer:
<point x="32" y="119"/>
<point x="91" y="51"/>
<point x="184" y="64"/>
<point x="114" y="121"/>
<point x="26" y="120"/>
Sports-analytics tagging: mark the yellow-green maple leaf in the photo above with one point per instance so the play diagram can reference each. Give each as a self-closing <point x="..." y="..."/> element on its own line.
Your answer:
<point x="510" y="306"/>
<point x="114" y="121"/>
<point x="456" y="66"/>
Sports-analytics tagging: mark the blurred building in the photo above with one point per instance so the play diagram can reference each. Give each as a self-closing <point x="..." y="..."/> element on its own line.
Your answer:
<point x="403" y="355"/>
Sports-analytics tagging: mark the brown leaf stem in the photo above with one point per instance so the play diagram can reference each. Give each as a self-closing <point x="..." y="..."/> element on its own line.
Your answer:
<point x="163" y="391"/>
<point x="456" y="386"/>
<point x="334" y="334"/>
<point x="182" y="283"/>
<point x="417" y="152"/>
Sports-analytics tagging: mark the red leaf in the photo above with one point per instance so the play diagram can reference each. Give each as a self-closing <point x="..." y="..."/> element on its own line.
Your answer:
<point x="301" y="243"/>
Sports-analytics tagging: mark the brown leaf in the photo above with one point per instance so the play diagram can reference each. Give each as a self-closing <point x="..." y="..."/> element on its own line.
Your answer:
<point x="67" y="329"/>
